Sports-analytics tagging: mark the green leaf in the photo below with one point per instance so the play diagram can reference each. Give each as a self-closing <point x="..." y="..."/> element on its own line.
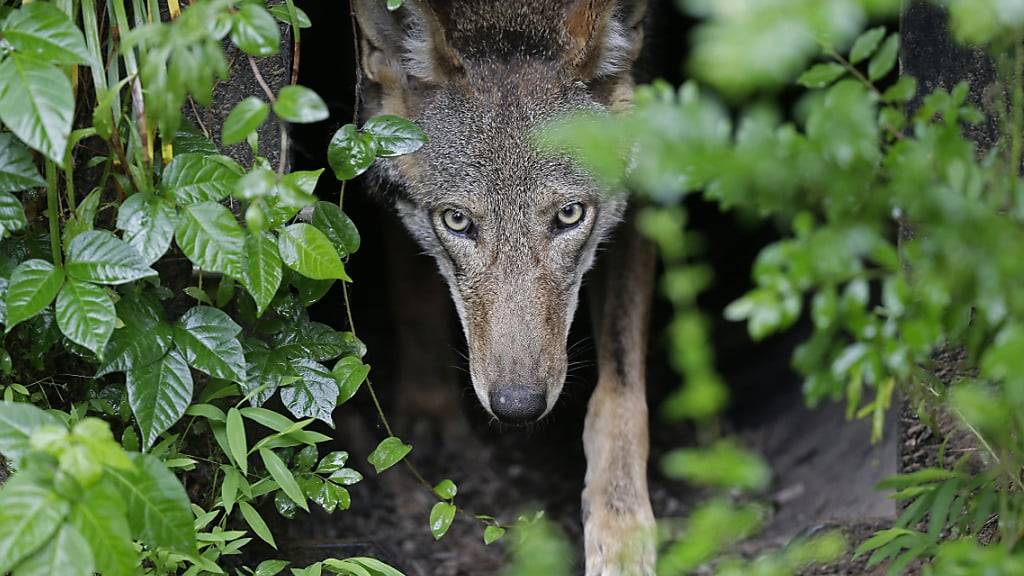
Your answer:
<point x="866" y="44"/>
<point x="379" y="568"/>
<point x="211" y="238"/>
<point x="270" y="567"/>
<point x="262" y="273"/>
<point x="236" y="440"/>
<point x="12" y="215"/>
<point x="350" y="153"/>
<point x="159" y="511"/>
<point x="258" y="183"/>
<point x="903" y="90"/>
<point x="441" y="516"/>
<point x="317" y="341"/>
<point x="86" y="315"/>
<point x="148" y="222"/>
<point x="394" y="4"/>
<point x="208" y="338"/>
<point x="244" y="118"/>
<point x="267" y="370"/>
<point x="43" y="31"/>
<point x="17" y="423"/>
<point x="67" y="554"/>
<point x="84" y="216"/>
<point x="337" y="226"/>
<point x="99" y="256"/>
<point x="255" y="31"/>
<point x="446" y="489"/>
<point x="255" y="521"/>
<point x="304" y="460"/>
<point x="297" y="188"/>
<point x="821" y="75"/>
<point x="101" y="518"/>
<point x="884" y="60"/>
<point x="137" y="344"/>
<point x="314" y="395"/>
<point x="389" y="452"/>
<point x="33" y="285"/>
<point x="280" y="473"/>
<point x="158" y="394"/>
<point x="492" y="534"/>
<point x="29" y="515"/>
<point x="350" y="373"/>
<point x="332" y="497"/>
<point x="332" y="462"/>
<point x="194" y="178"/>
<point x="307" y="250"/>
<point x="37" y="104"/>
<point x="394" y="135"/>
<point x="17" y="170"/>
<point x="300" y="105"/>
<point x="280" y="11"/>
<point x="346" y="476"/>
<point x="722" y="465"/>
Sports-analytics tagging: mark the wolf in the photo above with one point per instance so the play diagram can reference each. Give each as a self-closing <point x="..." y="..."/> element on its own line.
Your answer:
<point x="514" y="228"/>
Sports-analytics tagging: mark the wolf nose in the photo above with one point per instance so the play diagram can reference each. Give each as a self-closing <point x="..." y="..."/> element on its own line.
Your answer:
<point x="517" y="405"/>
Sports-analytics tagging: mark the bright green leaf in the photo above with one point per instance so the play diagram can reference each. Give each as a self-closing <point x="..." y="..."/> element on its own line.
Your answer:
<point x="441" y="516"/>
<point x="350" y="153"/>
<point x="394" y="135"/>
<point x="43" y="31"/>
<point x="866" y="44"/>
<point x="821" y="75"/>
<point x="101" y="518"/>
<point x="211" y="238"/>
<point x="12" y="214"/>
<point x="262" y="272"/>
<point x="67" y="554"/>
<point x="236" y="440"/>
<point x="255" y="521"/>
<point x="158" y="508"/>
<point x="389" y="452"/>
<point x="446" y="489"/>
<point x="283" y="476"/>
<point x="29" y="515"/>
<point x="350" y="373"/>
<point x="37" y="104"/>
<point x="33" y="285"/>
<point x="307" y="250"/>
<point x="884" y="60"/>
<point x="195" y="178"/>
<point x="244" y="118"/>
<point x="255" y="31"/>
<point x="337" y="226"/>
<point x="300" y="105"/>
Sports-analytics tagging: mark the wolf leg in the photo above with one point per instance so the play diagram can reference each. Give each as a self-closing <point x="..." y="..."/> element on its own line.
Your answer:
<point x="618" y="523"/>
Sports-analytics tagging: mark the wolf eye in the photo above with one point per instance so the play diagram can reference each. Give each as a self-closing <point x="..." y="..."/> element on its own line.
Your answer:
<point x="456" y="221"/>
<point x="570" y="215"/>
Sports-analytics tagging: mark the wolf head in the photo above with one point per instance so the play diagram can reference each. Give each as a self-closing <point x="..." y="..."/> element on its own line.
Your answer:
<point x="513" y="229"/>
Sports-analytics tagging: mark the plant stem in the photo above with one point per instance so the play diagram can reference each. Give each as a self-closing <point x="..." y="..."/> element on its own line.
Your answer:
<point x="53" y="211"/>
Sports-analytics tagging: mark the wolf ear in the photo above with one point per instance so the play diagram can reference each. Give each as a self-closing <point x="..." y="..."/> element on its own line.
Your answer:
<point x="604" y="37"/>
<point x="408" y="43"/>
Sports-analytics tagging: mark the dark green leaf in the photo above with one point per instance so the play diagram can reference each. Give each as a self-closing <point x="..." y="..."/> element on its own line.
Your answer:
<point x="262" y="273"/>
<point x="866" y="44"/>
<point x="33" y="285"/>
<point x="158" y="394"/>
<point x="350" y="152"/>
<point x="337" y="226"/>
<point x="99" y="256"/>
<point x="314" y="395"/>
<point x="194" y="178"/>
<point x="158" y="508"/>
<point x="267" y="370"/>
<point x="394" y="135"/>
<point x="101" y="518"/>
<point x="280" y="473"/>
<point x="86" y="315"/>
<point x="208" y="338"/>
<point x="244" y="118"/>
<point x="388" y="453"/>
<point x="43" y="31"/>
<point x="314" y="340"/>
<point x="148" y="222"/>
<point x="67" y="554"/>
<point x="29" y="515"/>
<point x="37" y="104"/>
<point x="84" y="217"/>
<point x="211" y="238"/>
<point x="884" y="60"/>
<point x="350" y="373"/>
<point x="304" y="460"/>
<point x="255" y="521"/>
<point x="441" y="516"/>
<point x="300" y="105"/>
<point x="12" y="215"/>
<point x="255" y="31"/>
<point x="332" y="462"/>
<point x="821" y="75"/>
<point x="136" y="345"/>
<point x="332" y="497"/>
<point x="17" y="170"/>
<point x="307" y="250"/>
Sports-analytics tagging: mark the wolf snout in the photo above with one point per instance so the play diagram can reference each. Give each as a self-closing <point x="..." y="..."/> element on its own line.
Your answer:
<point x="518" y="404"/>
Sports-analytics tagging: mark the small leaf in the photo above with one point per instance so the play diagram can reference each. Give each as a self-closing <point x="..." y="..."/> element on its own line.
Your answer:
<point x="300" y="105"/>
<point x="884" y="60"/>
<point x="258" y="183"/>
<point x="492" y="534"/>
<point x="255" y="521"/>
<point x="244" y="118"/>
<point x="254" y="30"/>
<point x="280" y="11"/>
<point x="350" y="152"/>
<point x="821" y="75"/>
<point x="346" y="476"/>
<point x="280" y="473"/>
<point x="388" y="453"/>
<point x="17" y="170"/>
<point x="394" y="135"/>
<point x="211" y="238"/>
<point x="902" y="91"/>
<point x="441" y="516"/>
<point x="194" y="178"/>
<point x="236" y="440"/>
<point x="262" y="272"/>
<point x="99" y="256"/>
<point x="307" y="250"/>
<point x="86" y="315"/>
<point x="337" y="226"/>
<point x="33" y="285"/>
<point x="297" y="188"/>
<point x="350" y="373"/>
<point x="446" y="489"/>
<point x="331" y="462"/>
<point x="158" y="394"/>
<point x="148" y="222"/>
<point x="159" y="511"/>
<point x="45" y="32"/>
<point x="866" y="44"/>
